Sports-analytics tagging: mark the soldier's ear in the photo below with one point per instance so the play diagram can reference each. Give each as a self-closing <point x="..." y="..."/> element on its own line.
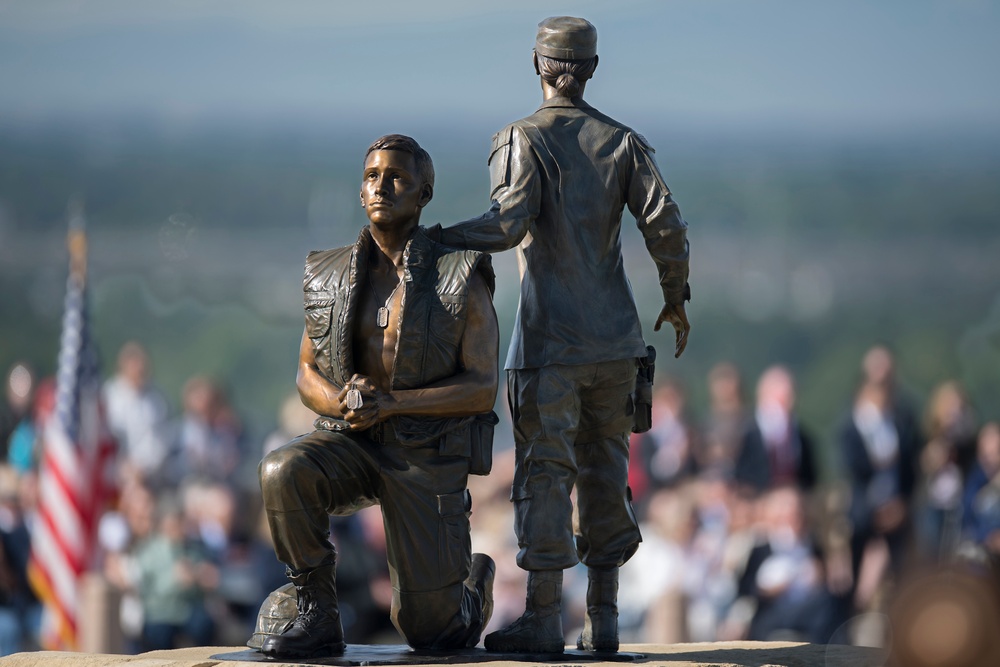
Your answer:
<point x="361" y="194"/>
<point x="534" y="61"/>
<point x="426" y="194"/>
<point x="597" y="59"/>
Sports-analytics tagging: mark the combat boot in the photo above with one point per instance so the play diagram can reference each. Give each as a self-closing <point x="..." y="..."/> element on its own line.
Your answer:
<point x="316" y="630"/>
<point x="480" y="579"/>
<point x="600" y="627"/>
<point x="539" y="630"/>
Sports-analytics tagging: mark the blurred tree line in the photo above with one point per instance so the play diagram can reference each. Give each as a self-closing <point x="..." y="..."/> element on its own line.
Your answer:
<point x="803" y="252"/>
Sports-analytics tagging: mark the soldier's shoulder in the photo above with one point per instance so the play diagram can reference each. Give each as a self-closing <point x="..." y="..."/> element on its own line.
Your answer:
<point x="642" y="141"/>
<point x="321" y="262"/>
<point x="622" y="128"/>
<point x="457" y="256"/>
<point x="330" y="254"/>
<point x="507" y="133"/>
<point x="467" y="263"/>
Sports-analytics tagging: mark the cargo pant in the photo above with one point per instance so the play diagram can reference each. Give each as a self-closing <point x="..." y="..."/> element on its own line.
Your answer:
<point x="425" y="507"/>
<point x="571" y="426"/>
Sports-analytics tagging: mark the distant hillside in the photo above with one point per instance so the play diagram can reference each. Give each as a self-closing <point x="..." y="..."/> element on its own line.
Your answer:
<point x="803" y="251"/>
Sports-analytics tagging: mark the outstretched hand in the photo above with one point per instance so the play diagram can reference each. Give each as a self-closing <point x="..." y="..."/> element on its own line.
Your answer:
<point x="677" y="317"/>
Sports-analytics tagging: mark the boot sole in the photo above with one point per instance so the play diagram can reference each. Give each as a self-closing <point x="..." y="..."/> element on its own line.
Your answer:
<point x="597" y="648"/>
<point x="328" y="650"/>
<point x="552" y="647"/>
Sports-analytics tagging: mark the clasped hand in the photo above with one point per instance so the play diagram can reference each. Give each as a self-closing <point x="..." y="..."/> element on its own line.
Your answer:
<point x="374" y="404"/>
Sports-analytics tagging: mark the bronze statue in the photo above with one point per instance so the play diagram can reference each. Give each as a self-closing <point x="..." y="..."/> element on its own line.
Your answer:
<point x="399" y="357"/>
<point x="560" y="180"/>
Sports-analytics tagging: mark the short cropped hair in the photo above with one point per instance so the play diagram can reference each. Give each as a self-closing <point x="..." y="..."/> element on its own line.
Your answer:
<point x="401" y="142"/>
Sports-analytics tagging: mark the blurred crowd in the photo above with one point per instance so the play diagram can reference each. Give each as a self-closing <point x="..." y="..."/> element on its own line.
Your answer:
<point x="743" y="537"/>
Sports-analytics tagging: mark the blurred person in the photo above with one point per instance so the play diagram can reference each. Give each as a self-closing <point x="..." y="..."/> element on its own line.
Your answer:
<point x="775" y="451"/>
<point x="945" y="461"/>
<point x="172" y="575"/>
<point x="227" y="526"/>
<point x="784" y="575"/>
<point x="951" y="418"/>
<point x="652" y="605"/>
<point x="711" y="576"/>
<point x="18" y="431"/>
<point x="206" y="436"/>
<point x="20" y="611"/>
<point x="662" y="455"/>
<point x="137" y="413"/>
<point x="210" y="512"/>
<point x="119" y="534"/>
<point x="294" y="419"/>
<point x="727" y="420"/>
<point x="879" y="452"/>
<point x="981" y="500"/>
<point x="27" y="439"/>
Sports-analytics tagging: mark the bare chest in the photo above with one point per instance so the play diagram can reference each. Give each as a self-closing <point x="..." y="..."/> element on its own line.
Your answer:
<point x="376" y="329"/>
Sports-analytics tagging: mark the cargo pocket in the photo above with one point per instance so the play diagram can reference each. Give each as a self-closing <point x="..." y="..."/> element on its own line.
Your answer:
<point x="481" y="460"/>
<point x="499" y="161"/>
<point x="319" y="309"/>
<point x="454" y="541"/>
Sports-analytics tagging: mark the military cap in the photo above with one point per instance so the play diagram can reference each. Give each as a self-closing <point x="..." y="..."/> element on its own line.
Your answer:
<point x="566" y="38"/>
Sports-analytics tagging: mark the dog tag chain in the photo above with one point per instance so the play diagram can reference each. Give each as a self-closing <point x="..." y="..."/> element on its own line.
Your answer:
<point x="382" y="316"/>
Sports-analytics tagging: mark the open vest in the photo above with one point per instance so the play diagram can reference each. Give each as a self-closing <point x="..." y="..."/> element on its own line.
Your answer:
<point x="432" y="323"/>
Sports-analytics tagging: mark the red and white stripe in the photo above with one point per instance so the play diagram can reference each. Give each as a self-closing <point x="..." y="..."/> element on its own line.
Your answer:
<point x="73" y="487"/>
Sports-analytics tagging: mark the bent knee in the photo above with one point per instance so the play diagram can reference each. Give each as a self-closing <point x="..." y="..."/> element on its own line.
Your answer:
<point x="430" y="619"/>
<point x="284" y="468"/>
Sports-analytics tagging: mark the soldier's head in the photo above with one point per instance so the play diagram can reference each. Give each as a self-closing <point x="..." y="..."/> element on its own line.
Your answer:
<point x="566" y="54"/>
<point x="397" y="181"/>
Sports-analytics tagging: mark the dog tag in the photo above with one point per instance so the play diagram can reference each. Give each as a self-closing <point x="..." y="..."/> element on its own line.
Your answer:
<point x="354" y="400"/>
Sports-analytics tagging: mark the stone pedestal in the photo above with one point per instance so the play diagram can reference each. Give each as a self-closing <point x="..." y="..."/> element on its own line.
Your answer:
<point x="722" y="654"/>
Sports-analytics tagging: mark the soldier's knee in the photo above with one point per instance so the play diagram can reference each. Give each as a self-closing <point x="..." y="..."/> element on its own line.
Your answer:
<point x="428" y="620"/>
<point x="283" y="468"/>
<point x="421" y="631"/>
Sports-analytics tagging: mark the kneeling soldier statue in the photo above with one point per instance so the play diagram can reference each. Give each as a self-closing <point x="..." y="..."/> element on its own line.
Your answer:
<point x="399" y="357"/>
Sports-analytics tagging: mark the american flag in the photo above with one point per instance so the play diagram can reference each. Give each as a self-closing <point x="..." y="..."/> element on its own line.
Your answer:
<point x="76" y="452"/>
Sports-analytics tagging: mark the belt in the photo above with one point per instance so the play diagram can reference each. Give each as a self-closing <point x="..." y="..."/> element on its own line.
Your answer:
<point x="382" y="433"/>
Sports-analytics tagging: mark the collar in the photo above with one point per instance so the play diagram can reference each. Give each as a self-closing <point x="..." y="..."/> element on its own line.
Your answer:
<point x="416" y="253"/>
<point x="560" y="102"/>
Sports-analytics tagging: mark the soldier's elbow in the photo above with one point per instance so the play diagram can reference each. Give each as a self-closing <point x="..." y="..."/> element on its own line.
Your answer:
<point x="488" y="395"/>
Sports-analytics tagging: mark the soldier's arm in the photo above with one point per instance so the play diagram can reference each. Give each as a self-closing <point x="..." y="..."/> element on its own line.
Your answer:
<point x="316" y="391"/>
<point x="665" y="232"/>
<point x="469" y="392"/>
<point x="515" y="188"/>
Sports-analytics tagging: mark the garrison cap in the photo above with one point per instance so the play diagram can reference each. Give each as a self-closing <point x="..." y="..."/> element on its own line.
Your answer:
<point x="566" y="38"/>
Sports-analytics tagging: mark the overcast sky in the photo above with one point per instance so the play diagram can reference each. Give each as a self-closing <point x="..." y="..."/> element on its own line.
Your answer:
<point x="843" y="64"/>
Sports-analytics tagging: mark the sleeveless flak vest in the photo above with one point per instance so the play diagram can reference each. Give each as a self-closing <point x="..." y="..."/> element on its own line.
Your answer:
<point x="432" y="311"/>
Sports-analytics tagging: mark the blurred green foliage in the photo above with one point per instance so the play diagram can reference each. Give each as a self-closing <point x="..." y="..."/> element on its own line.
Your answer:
<point x="802" y="253"/>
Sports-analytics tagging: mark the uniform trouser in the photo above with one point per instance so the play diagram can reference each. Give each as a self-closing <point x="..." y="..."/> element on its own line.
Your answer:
<point x="425" y="508"/>
<point x="571" y="426"/>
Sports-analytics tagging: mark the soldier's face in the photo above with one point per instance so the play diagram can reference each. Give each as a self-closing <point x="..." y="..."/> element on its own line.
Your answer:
<point x="391" y="190"/>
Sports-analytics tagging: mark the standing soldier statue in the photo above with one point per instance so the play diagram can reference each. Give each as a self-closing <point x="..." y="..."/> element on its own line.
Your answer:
<point x="560" y="180"/>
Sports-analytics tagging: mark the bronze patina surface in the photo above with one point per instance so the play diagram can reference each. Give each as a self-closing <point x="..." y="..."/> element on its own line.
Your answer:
<point x="560" y="181"/>
<point x="405" y="413"/>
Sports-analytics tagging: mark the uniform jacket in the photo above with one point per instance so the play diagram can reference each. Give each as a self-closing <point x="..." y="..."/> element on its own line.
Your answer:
<point x="560" y="181"/>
